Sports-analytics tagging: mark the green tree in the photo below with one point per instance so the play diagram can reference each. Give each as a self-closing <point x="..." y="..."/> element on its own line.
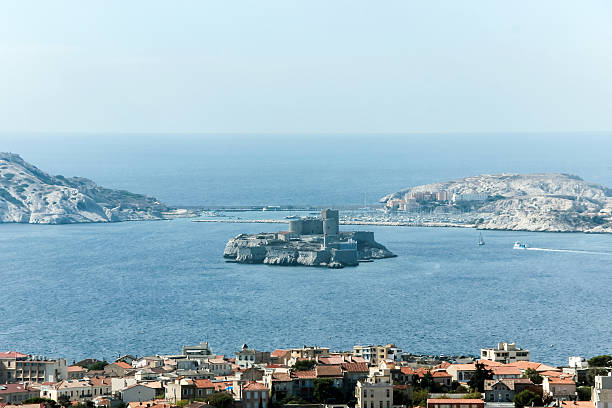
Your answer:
<point x="472" y="395"/>
<point x="181" y="403"/>
<point x="304" y="365"/>
<point x="604" y="360"/>
<point x="220" y="400"/>
<point x="481" y="374"/>
<point x="419" y="397"/>
<point x="527" y="398"/>
<point x="533" y="375"/>
<point x="592" y="373"/>
<point x="427" y="382"/>
<point x="97" y="366"/>
<point x="584" y="393"/>
<point x="63" y="400"/>
<point x="325" y="391"/>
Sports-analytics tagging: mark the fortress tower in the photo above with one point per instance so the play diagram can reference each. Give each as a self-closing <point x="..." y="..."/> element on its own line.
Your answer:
<point x="331" y="225"/>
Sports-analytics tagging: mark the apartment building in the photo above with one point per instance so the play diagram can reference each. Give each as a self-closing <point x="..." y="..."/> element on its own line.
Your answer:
<point x="373" y="354"/>
<point x="18" y="367"/>
<point x="504" y="353"/>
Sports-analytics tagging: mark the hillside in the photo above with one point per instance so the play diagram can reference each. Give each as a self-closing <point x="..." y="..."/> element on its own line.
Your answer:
<point x="29" y="195"/>
<point x="532" y="202"/>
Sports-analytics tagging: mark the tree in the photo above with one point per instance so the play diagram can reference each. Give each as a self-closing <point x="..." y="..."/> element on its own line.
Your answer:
<point x="533" y="375"/>
<point x="481" y="374"/>
<point x="472" y="395"/>
<point x="419" y="397"/>
<point x="427" y="381"/>
<point x="221" y="400"/>
<point x="325" y="391"/>
<point x="304" y="365"/>
<point x="64" y="401"/>
<point x="527" y="398"/>
<point x="604" y="360"/>
<point x="592" y="373"/>
<point x="584" y="393"/>
<point x="99" y="365"/>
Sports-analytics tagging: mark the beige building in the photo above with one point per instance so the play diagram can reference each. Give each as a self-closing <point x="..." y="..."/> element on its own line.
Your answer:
<point x="78" y="390"/>
<point x="504" y="353"/>
<point x="254" y="395"/>
<point x="309" y="352"/>
<point x="559" y="388"/>
<point x="17" y="393"/>
<point x="375" y="354"/>
<point x="18" y="367"/>
<point x="370" y="395"/>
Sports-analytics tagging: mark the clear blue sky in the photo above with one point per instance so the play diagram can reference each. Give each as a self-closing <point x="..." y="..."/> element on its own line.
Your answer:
<point x="305" y="66"/>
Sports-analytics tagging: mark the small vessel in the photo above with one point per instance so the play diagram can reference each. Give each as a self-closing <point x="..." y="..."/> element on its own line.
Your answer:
<point x="480" y="240"/>
<point x="519" y="245"/>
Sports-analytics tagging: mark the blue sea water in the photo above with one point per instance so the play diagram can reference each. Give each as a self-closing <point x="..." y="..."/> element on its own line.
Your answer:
<point x="102" y="290"/>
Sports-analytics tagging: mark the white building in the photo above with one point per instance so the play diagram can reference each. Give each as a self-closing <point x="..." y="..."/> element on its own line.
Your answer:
<point x="602" y="392"/>
<point x="504" y="353"/>
<point x="470" y="197"/>
<point x="369" y="395"/>
<point x="578" y="362"/>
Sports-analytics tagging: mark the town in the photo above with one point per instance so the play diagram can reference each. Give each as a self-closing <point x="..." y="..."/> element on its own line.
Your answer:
<point x="368" y="376"/>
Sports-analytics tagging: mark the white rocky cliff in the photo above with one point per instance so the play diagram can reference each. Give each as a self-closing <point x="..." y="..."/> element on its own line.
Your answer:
<point x="29" y="195"/>
<point x="531" y="202"/>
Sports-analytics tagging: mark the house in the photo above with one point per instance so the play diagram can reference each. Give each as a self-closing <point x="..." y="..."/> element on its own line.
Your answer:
<point x="353" y="372"/>
<point x="308" y="352"/>
<point x="332" y="372"/>
<point x="149" y="404"/>
<point x="303" y="385"/>
<point x="217" y="366"/>
<point x="404" y="375"/>
<point x="504" y="353"/>
<point x="442" y="378"/>
<point x="254" y="395"/>
<point x="75" y="372"/>
<point x="77" y="390"/>
<point x="501" y="372"/>
<point x="17" y="393"/>
<point x="560" y="388"/>
<point x="461" y="372"/>
<point x="280" y="356"/>
<point x="137" y="392"/>
<point x="280" y="385"/>
<point x="203" y="388"/>
<point x="504" y="390"/>
<point x="119" y="369"/>
<point x="247" y="357"/>
<point x="370" y="395"/>
<point x="455" y="403"/>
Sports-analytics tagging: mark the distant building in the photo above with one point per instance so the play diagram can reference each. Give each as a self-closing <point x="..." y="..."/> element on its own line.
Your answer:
<point x="203" y="350"/>
<point x="247" y="357"/>
<point x="559" y="388"/>
<point x="470" y="197"/>
<point x="17" y="393"/>
<point x="370" y="395"/>
<point x="254" y="395"/>
<point x="505" y="390"/>
<point x="504" y="353"/>
<point x="374" y="354"/>
<point x="18" y="367"/>
<point x="309" y="352"/>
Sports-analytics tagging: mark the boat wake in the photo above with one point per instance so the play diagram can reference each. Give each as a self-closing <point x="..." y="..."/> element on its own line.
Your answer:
<point x="572" y="251"/>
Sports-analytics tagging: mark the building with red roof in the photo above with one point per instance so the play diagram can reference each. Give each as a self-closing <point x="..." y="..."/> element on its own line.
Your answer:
<point x="454" y="403"/>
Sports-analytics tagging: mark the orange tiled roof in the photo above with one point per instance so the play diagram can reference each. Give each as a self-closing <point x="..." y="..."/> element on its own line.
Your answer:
<point x="278" y="353"/>
<point x="123" y="365"/>
<point x="305" y="374"/>
<point x="561" y="380"/>
<point x="407" y="371"/>
<point x="329" y="371"/>
<point x="253" y="386"/>
<point x="454" y="401"/>
<point x="439" y="374"/>
<point x="75" y="369"/>
<point x="12" y="354"/>
<point x="203" y="384"/>
<point x="355" y="367"/>
<point x="504" y="370"/>
<point x="490" y="363"/>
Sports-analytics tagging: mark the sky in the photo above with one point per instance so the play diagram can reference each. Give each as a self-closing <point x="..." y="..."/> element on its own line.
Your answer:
<point x="305" y="66"/>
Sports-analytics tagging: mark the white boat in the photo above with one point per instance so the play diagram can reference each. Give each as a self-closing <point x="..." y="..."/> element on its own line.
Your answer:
<point x="518" y="245"/>
<point x="480" y="240"/>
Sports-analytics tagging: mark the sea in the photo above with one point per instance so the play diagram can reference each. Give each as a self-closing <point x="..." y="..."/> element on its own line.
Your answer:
<point x="103" y="290"/>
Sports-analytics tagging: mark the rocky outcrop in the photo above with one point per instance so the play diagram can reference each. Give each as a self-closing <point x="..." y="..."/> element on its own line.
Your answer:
<point x="531" y="202"/>
<point x="266" y="248"/>
<point x="29" y="195"/>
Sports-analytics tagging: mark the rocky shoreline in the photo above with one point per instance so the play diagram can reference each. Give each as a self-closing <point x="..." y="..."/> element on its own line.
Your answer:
<point x="29" y="195"/>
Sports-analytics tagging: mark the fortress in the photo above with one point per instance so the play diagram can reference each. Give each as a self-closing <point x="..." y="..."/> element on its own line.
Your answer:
<point x="310" y="241"/>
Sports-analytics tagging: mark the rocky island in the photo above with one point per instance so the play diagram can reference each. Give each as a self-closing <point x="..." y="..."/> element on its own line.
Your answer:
<point x="310" y="242"/>
<point x="29" y="195"/>
<point x="529" y="202"/>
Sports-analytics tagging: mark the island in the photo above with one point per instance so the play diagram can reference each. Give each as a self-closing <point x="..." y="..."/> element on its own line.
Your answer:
<point x="29" y="195"/>
<point x="310" y="241"/>
<point x="527" y="202"/>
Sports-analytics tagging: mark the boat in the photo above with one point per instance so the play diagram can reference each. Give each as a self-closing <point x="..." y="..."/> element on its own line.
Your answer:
<point x="519" y="245"/>
<point x="480" y="240"/>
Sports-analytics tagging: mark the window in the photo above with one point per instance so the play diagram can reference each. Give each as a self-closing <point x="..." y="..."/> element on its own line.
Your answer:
<point x="387" y="393"/>
<point x="248" y="394"/>
<point x="380" y="405"/>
